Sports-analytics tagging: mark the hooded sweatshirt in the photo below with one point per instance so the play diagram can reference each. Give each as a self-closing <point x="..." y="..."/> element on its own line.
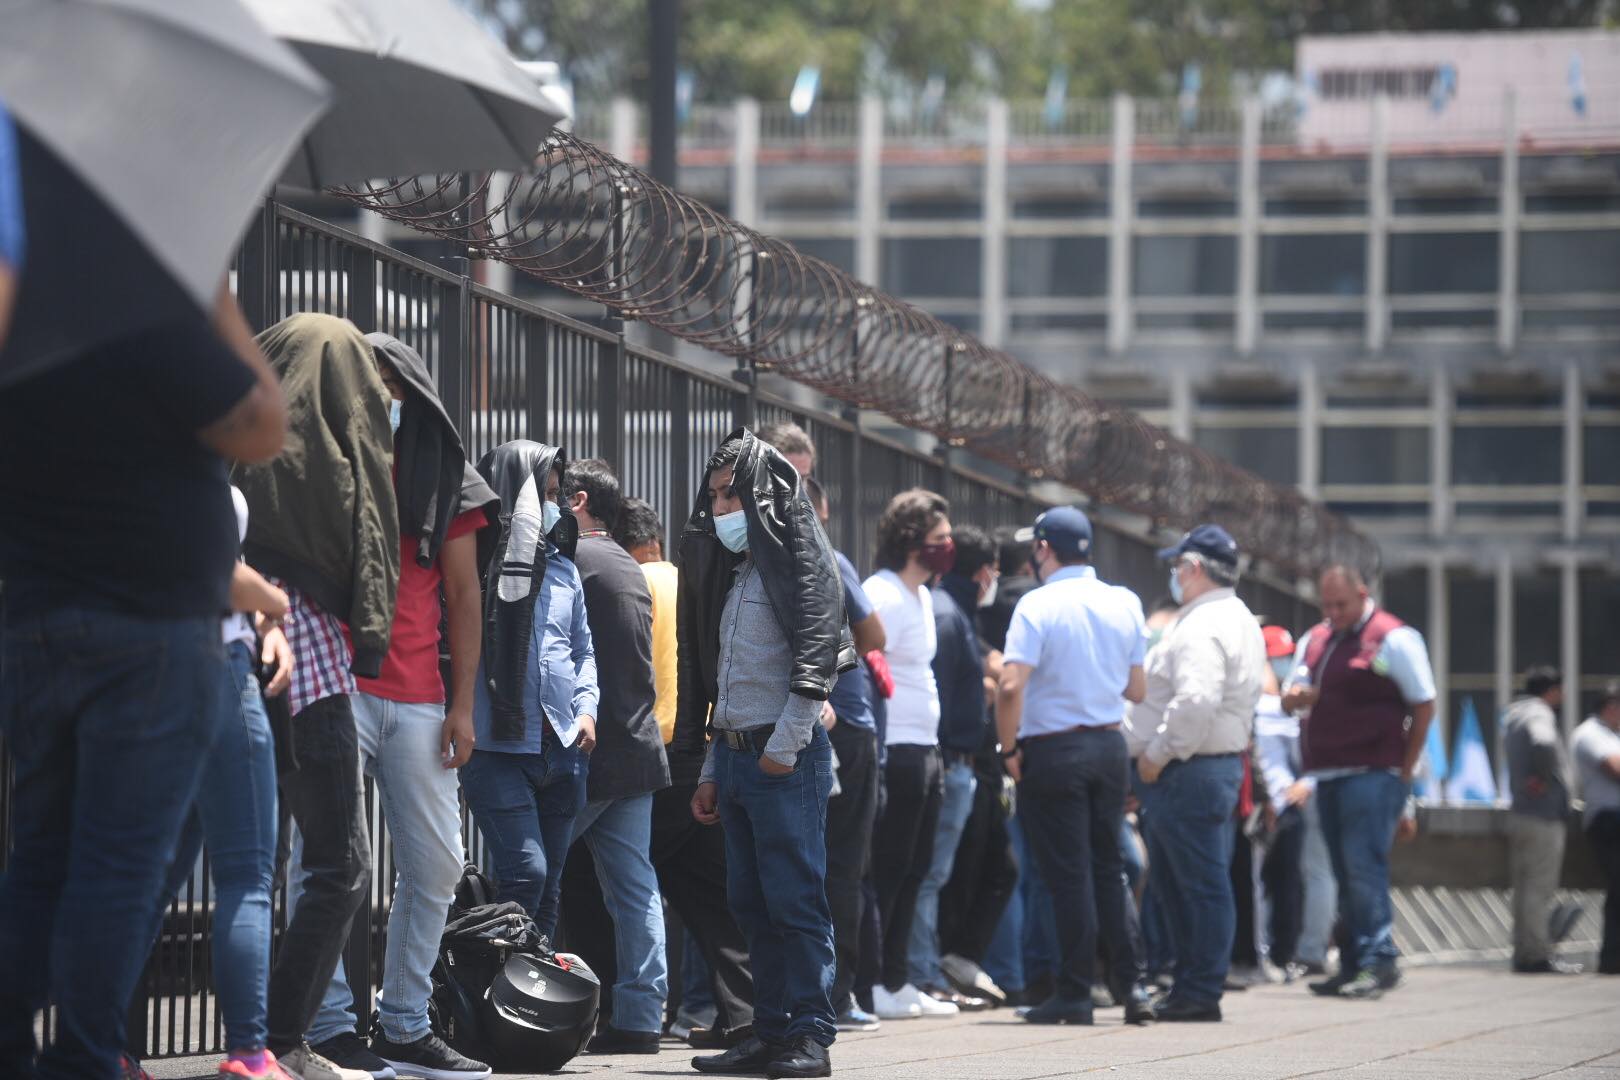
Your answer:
<point x="323" y="516"/>
<point x="513" y="563"/>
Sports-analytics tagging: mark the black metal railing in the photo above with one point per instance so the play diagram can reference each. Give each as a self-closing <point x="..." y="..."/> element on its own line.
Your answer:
<point x="509" y="369"/>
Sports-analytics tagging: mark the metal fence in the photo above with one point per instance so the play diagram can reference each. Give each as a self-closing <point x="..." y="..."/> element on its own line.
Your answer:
<point x="508" y="369"/>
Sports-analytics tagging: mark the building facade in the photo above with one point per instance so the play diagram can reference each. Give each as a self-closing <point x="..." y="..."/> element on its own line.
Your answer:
<point x="1421" y="330"/>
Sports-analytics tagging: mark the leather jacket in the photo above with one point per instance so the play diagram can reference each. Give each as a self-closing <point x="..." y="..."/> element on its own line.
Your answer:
<point x="511" y="575"/>
<point x="795" y="560"/>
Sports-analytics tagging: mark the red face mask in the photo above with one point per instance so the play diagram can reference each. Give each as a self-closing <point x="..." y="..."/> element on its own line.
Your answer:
<point x="939" y="558"/>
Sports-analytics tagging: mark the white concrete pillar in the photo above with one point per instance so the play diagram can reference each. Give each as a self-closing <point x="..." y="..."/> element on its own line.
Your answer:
<point x="1507" y="280"/>
<point x="745" y="163"/>
<point x="1181" y="403"/>
<point x="1310" y="430"/>
<point x="1248" y="268"/>
<point x="1574" y="451"/>
<point x="1442" y="404"/>
<point x="1378" y="228"/>
<point x="1505" y="666"/>
<point x="869" y="192"/>
<point x="1122" y="211"/>
<point x="1439" y="640"/>
<point x="1569" y="638"/>
<point x="624" y="119"/>
<point x="993" y="247"/>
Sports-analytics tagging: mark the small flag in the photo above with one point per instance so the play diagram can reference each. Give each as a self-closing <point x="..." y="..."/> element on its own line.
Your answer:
<point x="1192" y="81"/>
<point x="933" y="94"/>
<point x="1577" y="85"/>
<point x="685" y="87"/>
<point x="1057" y="94"/>
<point x="1429" y="783"/>
<point x="1443" y="89"/>
<point x="803" y="98"/>
<point x="1471" y="780"/>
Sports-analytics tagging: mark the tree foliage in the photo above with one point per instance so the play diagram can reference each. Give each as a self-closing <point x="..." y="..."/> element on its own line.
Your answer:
<point x="1010" y="47"/>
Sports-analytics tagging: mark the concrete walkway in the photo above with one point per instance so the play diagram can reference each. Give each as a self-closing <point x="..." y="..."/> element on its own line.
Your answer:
<point x="1444" y="1023"/>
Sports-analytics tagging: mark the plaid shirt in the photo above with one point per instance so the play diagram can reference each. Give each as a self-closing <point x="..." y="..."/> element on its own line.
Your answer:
<point x="321" y="654"/>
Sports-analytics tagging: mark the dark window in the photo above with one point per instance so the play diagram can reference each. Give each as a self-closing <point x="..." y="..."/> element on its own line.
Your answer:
<point x="1330" y="264"/>
<point x="1600" y="450"/>
<point x="935" y="210"/>
<point x="1406" y="594"/>
<point x="1270" y="452"/>
<point x="1600" y="624"/>
<point x="1573" y="203"/>
<point x="931" y="266"/>
<point x="1536" y="604"/>
<point x="1057" y="266"/>
<point x="1442" y="262"/>
<point x="1473" y="623"/>
<point x="1375" y="455"/>
<point x="838" y="250"/>
<point x="1163" y="208"/>
<point x="1562" y="262"/>
<point x="1184" y="265"/>
<point x="1059" y="209"/>
<point x="1449" y="204"/>
<point x="1507" y="455"/>
<point x="1299" y="206"/>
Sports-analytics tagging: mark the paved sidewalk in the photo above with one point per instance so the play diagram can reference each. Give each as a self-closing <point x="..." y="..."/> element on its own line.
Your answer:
<point x="1451" y="1023"/>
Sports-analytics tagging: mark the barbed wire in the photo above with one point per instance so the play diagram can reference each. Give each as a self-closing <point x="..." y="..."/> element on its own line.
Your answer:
<point x="589" y="223"/>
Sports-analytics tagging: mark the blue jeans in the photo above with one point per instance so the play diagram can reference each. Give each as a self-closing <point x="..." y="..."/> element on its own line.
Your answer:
<point x="109" y="719"/>
<point x="1190" y="836"/>
<point x="1359" y="815"/>
<point x="776" y="867"/>
<point x="1025" y="946"/>
<point x="697" y="995"/>
<point x="236" y="815"/>
<point x="923" y="953"/>
<point x="525" y="805"/>
<point x="400" y="748"/>
<point x="619" y="834"/>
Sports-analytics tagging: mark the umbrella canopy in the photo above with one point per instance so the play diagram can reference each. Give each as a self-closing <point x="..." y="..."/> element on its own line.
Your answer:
<point x="421" y="87"/>
<point x="148" y="132"/>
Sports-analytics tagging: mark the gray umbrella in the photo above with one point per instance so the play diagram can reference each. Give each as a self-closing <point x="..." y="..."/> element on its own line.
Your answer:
<point x="148" y="132"/>
<point x="420" y="87"/>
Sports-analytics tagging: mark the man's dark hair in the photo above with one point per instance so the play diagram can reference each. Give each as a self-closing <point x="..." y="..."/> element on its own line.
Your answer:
<point x="725" y="457"/>
<point x="974" y="549"/>
<point x="603" y="498"/>
<point x="1014" y="554"/>
<point x="787" y="437"/>
<point x="639" y="524"/>
<point x="909" y="517"/>
<point x="1542" y="678"/>
<point x="815" y="493"/>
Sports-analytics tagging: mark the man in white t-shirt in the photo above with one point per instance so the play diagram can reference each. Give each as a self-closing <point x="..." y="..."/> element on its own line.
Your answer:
<point x="1595" y="746"/>
<point x="914" y="545"/>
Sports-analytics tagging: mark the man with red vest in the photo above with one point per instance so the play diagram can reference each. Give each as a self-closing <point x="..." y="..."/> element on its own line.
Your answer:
<point x="1364" y="679"/>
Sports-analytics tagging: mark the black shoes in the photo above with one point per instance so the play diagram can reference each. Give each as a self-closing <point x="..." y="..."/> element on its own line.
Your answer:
<point x="350" y="1050"/>
<point x="1548" y="967"/>
<point x="802" y="1057"/>
<point x="717" y="1039"/>
<point x="1056" y="1010"/>
<point x="610" y="1040"/>
<point x="1173" y="1011"/>
<point x="748" y="1058"/>
<point x="1330" y="986"/>
<point x="428" y="1058"/>
<point x="1138" y="1005"/>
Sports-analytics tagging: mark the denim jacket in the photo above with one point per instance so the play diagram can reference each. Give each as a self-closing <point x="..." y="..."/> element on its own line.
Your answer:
<point x="560" y="677"/>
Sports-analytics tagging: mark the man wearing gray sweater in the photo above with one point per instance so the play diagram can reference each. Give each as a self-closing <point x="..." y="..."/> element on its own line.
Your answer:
<point x="1539" y="778"/>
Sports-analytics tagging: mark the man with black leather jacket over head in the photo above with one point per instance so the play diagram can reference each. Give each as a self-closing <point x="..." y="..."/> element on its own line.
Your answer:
<point x="762" y="639"/>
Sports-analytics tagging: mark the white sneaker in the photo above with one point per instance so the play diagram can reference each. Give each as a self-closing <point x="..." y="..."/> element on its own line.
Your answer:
<point x="932" y="1006"/>
<point x="306" y="1063"/>
<point x="900" y="1005"/>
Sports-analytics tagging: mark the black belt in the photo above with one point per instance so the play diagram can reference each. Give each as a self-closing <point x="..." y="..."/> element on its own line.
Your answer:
<point x="753" y="739"/>
<point x="958" y="757"/>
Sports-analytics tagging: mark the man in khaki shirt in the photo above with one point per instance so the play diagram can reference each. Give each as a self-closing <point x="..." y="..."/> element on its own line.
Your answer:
<point x="1188" y="737"/>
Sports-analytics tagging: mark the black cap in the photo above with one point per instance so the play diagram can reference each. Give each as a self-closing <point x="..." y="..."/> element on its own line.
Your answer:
<point x="1066" y="528"/>
<point x="1210" y="541"/>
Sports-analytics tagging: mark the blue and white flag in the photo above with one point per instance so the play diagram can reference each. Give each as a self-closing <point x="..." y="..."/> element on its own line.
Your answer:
<point x="1471" y="779"/>
<point x="1577" y="85"/>
<point x="685" y="87"/>
<point x="803" y="98"/>
<point x="1443" y="89"/>
<point x="1192" y="81"/>
<point x="1057" y="95"/>
<point x="1430" y="782"/>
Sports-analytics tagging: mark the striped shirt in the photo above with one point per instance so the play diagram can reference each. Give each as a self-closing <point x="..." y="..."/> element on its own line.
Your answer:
<point x="321" y="654"/>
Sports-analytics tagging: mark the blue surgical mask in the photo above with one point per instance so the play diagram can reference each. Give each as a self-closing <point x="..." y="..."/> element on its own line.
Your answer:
<point x="395" y="408"/>
<point x="732" y="530"/>
<point x="550" y="514"/>
<point x="1175" y="588"/>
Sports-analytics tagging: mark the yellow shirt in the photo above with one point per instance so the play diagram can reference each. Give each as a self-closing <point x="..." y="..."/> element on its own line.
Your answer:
<point x="663" y="581"/>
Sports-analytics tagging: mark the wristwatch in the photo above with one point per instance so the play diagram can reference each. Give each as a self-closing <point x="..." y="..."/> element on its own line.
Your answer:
<point x="1008" y="755"/>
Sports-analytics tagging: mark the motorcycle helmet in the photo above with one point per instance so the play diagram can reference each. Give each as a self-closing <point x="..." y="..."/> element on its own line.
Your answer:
<point x="539" y="1012"/>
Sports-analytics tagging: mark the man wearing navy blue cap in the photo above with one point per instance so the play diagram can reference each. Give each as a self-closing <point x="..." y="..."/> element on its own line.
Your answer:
<point x="1073" y="657"/>
<point x="1188" y="737"/>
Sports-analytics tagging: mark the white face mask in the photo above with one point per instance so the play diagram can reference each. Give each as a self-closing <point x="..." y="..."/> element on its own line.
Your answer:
<point x="732" y="530"/>
<point x="989" y="596"/>
<point x="396" y="409"/>
<point x="550" y="514"/>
